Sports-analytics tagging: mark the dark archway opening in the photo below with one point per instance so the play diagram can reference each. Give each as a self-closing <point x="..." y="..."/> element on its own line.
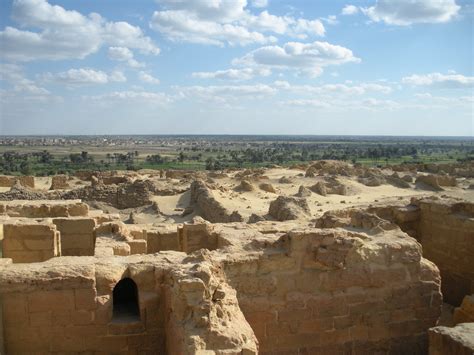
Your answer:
<point x="125" y="301"/>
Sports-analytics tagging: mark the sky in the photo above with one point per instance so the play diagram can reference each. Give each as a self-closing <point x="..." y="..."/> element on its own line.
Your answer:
<point x="322" y="67"/>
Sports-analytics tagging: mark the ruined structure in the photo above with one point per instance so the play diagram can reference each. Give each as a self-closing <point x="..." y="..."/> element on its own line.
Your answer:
<point x="359" y="280"/>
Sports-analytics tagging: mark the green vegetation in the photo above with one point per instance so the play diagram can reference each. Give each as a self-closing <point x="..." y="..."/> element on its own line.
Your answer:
<point x="217" y="152"/>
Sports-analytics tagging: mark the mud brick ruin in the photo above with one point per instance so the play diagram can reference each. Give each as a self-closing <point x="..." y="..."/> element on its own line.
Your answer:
<point x="105" y="277"/>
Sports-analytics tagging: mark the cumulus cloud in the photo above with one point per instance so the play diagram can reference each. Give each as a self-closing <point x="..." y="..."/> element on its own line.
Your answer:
<point x="147" y="78"/>
<point x="156" y="98"/>
<point x="308" y="58"/>
<point x="233" y="74"/>
<point x="226" y="94"/>
<point x="14" y="74"/>
<point x="83" y="76"/>
<point x="438" y="80"/>
<point x="65" y="34"/>
<point x="350" y="10"/>
<point x="227" y="22"/>
<point x="407" y="12"/>
<point x="123" y="54"/>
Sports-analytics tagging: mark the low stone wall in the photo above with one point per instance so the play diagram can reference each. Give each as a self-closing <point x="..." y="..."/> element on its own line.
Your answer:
<point x="30" y="241"/>
<point x="77" y="235"/>
<point x="333" y="291"/>
<point x="9" y="181"/>
<point x="59" y="182"/>
<point x="44" y="209"/>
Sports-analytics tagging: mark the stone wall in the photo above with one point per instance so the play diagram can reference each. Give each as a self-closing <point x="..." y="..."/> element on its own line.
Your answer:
<point x="77" y="235"/>
<point x="27" y="241"/>
<point x="445" y="228"/>
<point x="446" y="231"/>
<point x="333" y="291"/>
<point x="44" y="209"/>
<point x="59" y="182"/>
<point x="184" y="307"/>
<point x="208" y="207"/>
<point x="9" y="181"/>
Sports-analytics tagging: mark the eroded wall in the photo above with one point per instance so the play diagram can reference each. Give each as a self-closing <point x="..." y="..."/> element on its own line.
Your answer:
<point x="321" y="291"/>
<point x="29" y="241"/>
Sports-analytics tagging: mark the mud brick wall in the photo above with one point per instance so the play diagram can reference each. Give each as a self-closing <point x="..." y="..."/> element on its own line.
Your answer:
<point x="447" y="235"/>
<point x="162" y="239"/>
<point x="9" y="181"/>
<point x="197" y="236"/>
<point x="320" y="292"/>
<point x="77" y="235"/>
<point x="28" y="242"/>
<point x="183" y="310"/>
<point x="73" y="314"/>
<point x="46" y="209"/>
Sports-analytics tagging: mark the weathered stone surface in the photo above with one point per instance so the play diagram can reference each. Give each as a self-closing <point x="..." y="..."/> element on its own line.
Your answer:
<point x="287" y="208"/>
<point x="209" y="208"/>
<point x="458" y="340"/>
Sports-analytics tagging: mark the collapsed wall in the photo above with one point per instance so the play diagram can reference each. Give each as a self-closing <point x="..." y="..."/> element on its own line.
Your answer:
<point x="208" y="207"/>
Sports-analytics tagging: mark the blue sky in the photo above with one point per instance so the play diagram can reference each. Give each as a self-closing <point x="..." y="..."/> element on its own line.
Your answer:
<point x="378" y="67"/>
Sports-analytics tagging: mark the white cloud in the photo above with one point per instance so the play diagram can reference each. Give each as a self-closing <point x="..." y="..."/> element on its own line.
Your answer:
<point x="407" y="12"/>
<point x="117" y="76"/>
<point x="226" y="22"/>
<point x="334" y="89"/>
<point x="226" y="94"/>
<point x="147" y="78"/>
<point x="233" y="74"/>
<point x="65" y="34"/>
<point x="14" y="74"/>
<point x="308" y="58"/>
<point x="439" y="80"/>
<point x="83" y="76"/>
<point x="184" y="27"/>
<point x="306" y="103"/>
<point x="123" y="54"/>
<point x="259" y="3"/>
<point x="350" y="10"/>
<point x="330" y="20"/>
<point x="156" y="98"/>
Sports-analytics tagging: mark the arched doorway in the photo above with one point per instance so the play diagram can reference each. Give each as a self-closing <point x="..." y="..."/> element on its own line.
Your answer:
<point x="125" y="301"/>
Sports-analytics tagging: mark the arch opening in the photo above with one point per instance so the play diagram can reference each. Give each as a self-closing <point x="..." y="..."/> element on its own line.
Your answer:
<point x="125" y="302"/>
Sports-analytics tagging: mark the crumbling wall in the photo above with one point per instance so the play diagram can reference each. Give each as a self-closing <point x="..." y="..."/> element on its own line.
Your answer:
<point x="195" y="236"/>
<point x="333" y="291"/>
<point x="44" y="209"/>
<point x="27" y="241"/>
<point x="446" y="232"/>
<point x="59" y="182"/>
<point x="162" y="238"/>
<point x="10" y="181"/>
<point x="183" y="308"/>
<point x="126" y="195"/>
<point x="208" y="207"/>
<point x="77" y="235"/>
